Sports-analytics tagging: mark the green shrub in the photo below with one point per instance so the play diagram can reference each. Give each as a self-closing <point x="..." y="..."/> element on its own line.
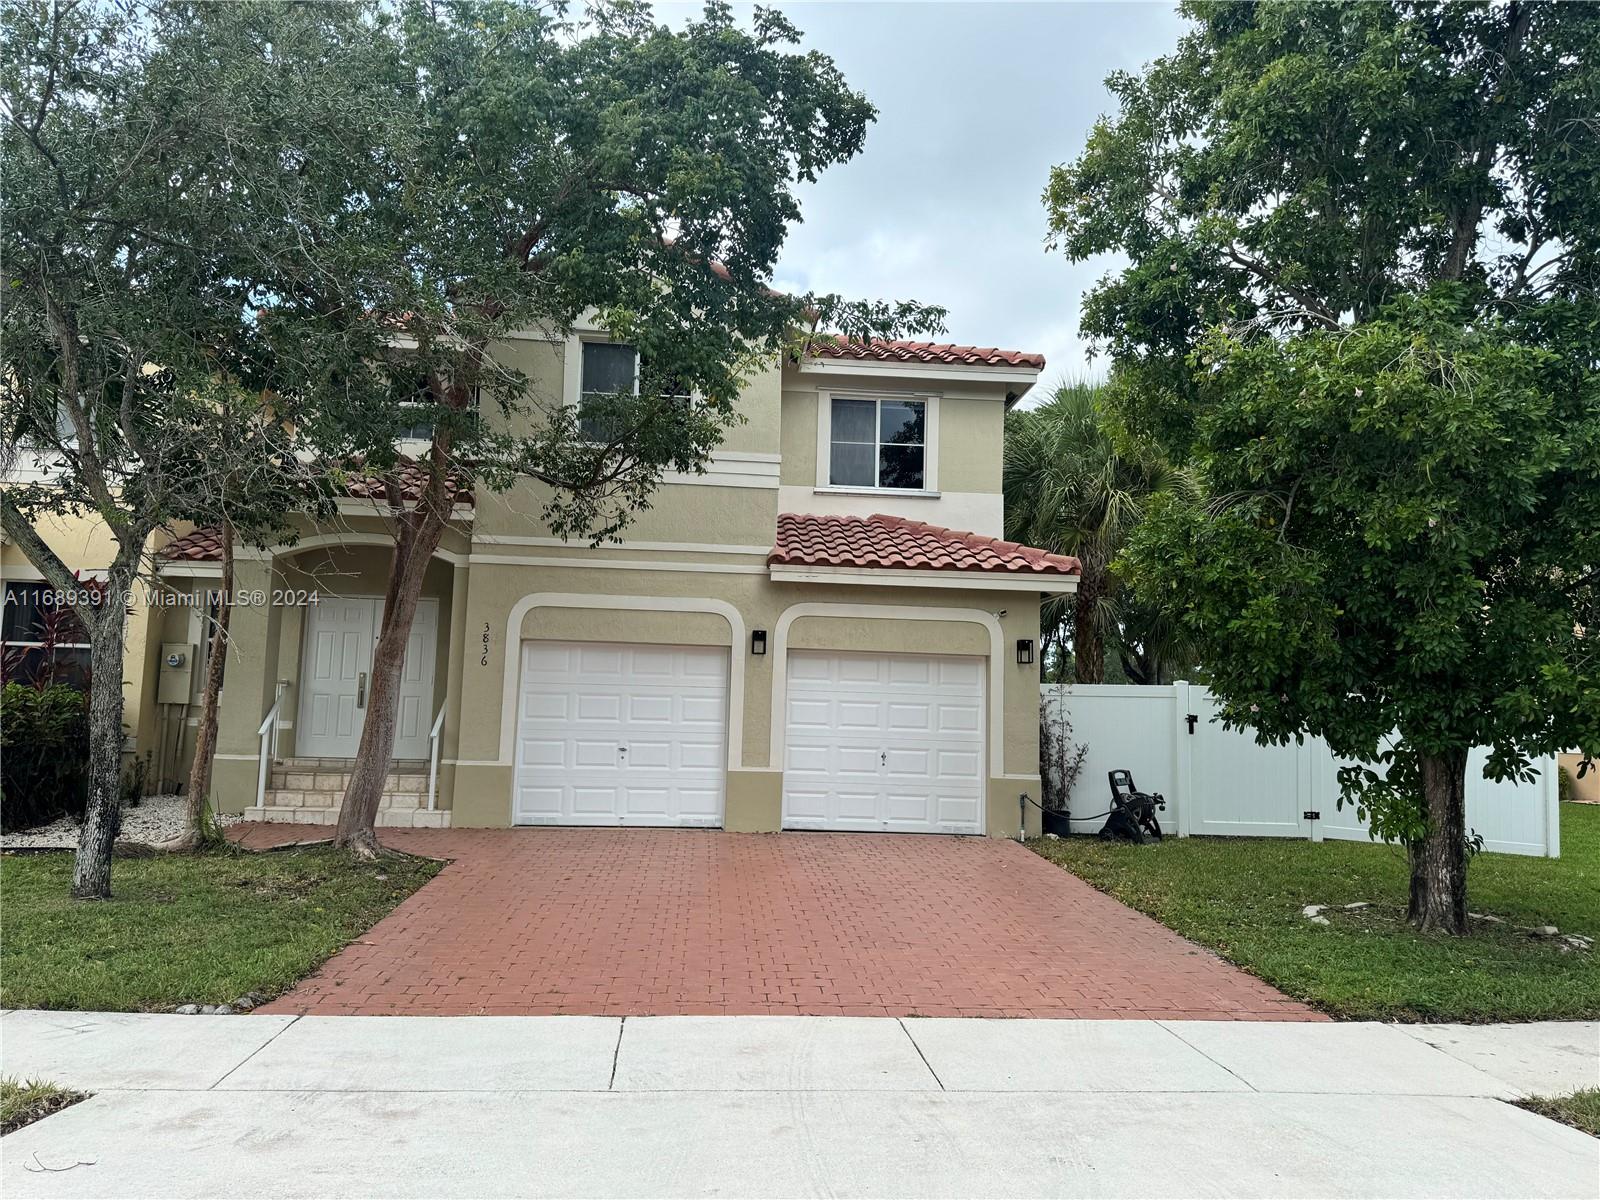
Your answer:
<point x="1565" y="785"/>
<point x="44" y="754"/>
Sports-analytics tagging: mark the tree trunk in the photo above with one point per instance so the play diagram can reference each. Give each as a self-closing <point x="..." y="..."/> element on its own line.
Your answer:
<point x="419" y="536"/>
<point x="102" y="816"/>
<point x="1088" y="646"/>
<point x="197" y="827"/>
<point x="1439" y="859"/>
<point x="106" y="625"/>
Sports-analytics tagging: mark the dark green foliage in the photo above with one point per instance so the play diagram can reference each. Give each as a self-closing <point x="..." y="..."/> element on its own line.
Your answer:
<point x="258" y="234"/>
<point x="1074" y="487"/>
<point x="1294" y="166"/>
<point x="1363" y="302"/>
<point x="44" y="749"/>
<point x="1407" y="513"/>
<point x="135" y="779"/>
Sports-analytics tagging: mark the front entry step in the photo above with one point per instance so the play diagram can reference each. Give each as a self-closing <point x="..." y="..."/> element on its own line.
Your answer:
<point x="309" y="791"/>
<point x="387" y="818"/>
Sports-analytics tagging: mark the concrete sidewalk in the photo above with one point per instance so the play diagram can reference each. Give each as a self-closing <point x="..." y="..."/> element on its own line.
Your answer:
<point x="792" y="1106"/>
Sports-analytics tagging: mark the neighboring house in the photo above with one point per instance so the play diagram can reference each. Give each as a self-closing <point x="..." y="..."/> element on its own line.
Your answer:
<point x="822" y="631"/>
<point x="1585" y="790"/>
<point x="85" y="545"/>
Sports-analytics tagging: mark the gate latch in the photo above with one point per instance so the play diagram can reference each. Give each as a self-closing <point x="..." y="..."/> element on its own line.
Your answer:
<point x="1312" y="814"/>
<point x="1193" y="719"/>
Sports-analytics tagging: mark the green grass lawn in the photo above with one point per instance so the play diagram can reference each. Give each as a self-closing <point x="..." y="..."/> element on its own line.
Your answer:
<point x="1581" y="1110"/>
<point x="1242" y="897"/>
<point x="24" y="1103"/>
<point x="180" y="929"/>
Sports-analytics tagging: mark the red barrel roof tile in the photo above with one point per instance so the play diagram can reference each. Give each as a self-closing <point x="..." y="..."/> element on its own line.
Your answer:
<point x="945" y="353"/>
<point x="900" y="543"/>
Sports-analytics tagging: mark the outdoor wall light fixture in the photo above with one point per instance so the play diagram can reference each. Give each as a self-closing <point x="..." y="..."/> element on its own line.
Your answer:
<point x="1024" y="652"/>
<point x="758" y="641"/>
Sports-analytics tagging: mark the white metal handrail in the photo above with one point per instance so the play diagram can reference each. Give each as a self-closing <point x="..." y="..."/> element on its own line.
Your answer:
<point x="268" y="735"/>
<point x="433" y="756"/>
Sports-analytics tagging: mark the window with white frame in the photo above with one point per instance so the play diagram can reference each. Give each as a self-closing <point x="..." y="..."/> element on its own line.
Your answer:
<point x="421" y="429"/>
<point x="609" y="369"/>
<point x="612" y="369"/>
<point x="878" y="443"/>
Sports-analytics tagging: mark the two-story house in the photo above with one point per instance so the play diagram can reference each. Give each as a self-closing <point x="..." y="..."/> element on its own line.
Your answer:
<point x="822" y="631"/>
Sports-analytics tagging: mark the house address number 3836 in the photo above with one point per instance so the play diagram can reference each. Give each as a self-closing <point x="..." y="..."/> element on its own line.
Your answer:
<point x="484" y="660"/>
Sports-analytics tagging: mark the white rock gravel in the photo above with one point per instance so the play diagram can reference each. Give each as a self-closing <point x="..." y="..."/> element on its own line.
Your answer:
<point x="154" y="819"/>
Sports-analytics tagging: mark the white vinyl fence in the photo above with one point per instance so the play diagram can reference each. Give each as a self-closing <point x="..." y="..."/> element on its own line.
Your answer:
<point x="1219" y="782"/>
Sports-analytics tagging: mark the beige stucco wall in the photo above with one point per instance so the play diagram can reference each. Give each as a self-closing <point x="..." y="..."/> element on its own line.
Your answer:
<point x="490" y="606"/>
<point x="85" y="543"/>
<point x="721" y="604"/>
<point x="266" y="642"/>
<point x="543" y="364"/>
<point x="971" y="429"/>
<point x="701" y="513"/>
<point x="539" y="362"/>
<point x="1585" y="790"/>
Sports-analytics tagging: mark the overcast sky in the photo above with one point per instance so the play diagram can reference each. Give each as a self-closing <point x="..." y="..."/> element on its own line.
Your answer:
<point x="975" y="103"/>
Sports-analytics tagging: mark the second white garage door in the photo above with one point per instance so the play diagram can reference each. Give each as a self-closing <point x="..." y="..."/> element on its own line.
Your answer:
<point x="621" y="735"/>
<point x="883" y="742"/>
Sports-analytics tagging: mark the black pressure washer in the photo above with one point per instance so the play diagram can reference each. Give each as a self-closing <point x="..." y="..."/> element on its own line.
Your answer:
<point x="1131" y="817"/>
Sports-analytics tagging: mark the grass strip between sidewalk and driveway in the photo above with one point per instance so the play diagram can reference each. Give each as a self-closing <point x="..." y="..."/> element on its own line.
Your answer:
<point x="24" y="1103"/>
<point x="180" y="929"/>
<point x="1243" y="898"/>
<point x="1581" y="1110"/>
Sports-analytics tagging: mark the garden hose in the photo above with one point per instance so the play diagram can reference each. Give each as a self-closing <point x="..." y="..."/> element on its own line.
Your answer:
<point x="1070" y="817"/>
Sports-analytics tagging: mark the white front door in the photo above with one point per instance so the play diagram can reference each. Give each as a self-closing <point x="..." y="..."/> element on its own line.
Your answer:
<point x="336" y="677"/>
<point x="621" y="734"/>
<point x="884" y="743"/>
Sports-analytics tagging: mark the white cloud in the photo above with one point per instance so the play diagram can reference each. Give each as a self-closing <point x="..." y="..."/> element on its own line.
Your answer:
<point x="975" y="103"/>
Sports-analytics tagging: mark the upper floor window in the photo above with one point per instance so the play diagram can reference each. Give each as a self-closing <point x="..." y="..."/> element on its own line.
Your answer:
<point x="878" y="444"/>
<point x="616" y="369"/>
<point x="609" y="369"/>
<point x="421" y="430"/>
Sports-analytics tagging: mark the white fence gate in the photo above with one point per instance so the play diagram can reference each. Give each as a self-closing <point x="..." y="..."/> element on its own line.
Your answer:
<point x="1221" y="783"/>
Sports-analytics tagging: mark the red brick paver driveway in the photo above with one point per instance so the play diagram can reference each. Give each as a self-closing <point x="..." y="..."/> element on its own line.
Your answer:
<point x="638" y="922"/>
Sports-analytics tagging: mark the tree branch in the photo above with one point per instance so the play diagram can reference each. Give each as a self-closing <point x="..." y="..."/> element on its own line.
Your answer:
<point x="1313" y="305"/>
<point x="1470" y="215"/>
<point x="21" y="531"/>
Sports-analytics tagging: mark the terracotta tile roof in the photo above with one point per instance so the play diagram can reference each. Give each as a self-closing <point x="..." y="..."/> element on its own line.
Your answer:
<point x="413" y="479"/>
<point x="926" y="352"/>
<point x="203" y="545"/>
<point x="903" y="544"/>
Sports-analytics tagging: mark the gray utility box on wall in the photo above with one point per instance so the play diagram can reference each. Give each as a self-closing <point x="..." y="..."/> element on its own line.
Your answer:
<point x="173" y="686"/>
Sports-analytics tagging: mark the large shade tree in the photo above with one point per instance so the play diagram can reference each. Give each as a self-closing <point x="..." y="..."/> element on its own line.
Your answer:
<point x="344" y="208"/>
<point x="139" y="145"/>
<point x="537" y="169"/>
<point x="1364" y="245"/>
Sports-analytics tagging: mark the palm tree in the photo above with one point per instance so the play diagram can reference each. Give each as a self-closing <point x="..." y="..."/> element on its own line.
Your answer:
<point x="1073" y="488"/>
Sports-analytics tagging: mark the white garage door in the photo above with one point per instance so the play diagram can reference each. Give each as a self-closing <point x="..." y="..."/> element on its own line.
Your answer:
<point x="621" y="735"/>
<point x="883" y="742"/>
